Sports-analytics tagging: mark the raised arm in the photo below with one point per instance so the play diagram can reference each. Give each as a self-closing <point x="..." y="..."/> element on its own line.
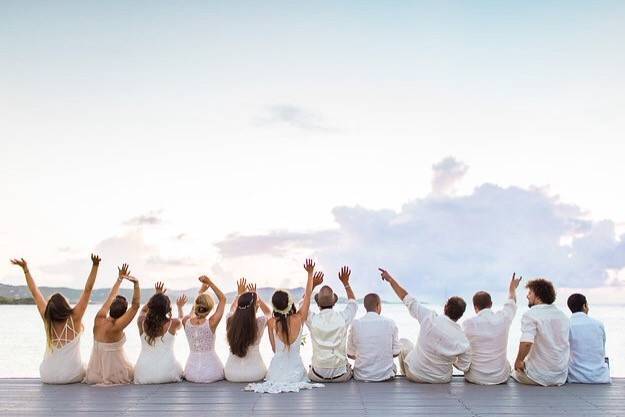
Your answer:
<point x="514" y="284"/>
<point x="214" y="320"/>
<point x="309" y="266"/>
<point x="114" y="291"/>
<point x="180" y="302"/>
<point x="344" y="275"/>
<point x="40" y="301"/>
<point x="83" y="302"/>
<point x="122" y="322"/>
<point x="399" y="290"/>
<point x="263" y="305"/>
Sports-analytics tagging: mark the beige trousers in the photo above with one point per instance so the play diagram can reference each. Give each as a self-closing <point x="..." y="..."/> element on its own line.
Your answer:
<point x="343" y="378"/>
<point x="406" y="348"/>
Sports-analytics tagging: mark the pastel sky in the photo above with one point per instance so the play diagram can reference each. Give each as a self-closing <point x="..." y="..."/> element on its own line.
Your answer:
<point x="452" y="142"/>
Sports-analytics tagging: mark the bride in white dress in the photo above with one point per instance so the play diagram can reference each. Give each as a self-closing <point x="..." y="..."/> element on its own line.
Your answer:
<point x="286" y="371"/>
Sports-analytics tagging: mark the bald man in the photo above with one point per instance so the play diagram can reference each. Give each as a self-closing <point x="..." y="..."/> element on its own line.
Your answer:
<point x="373" y="342"/>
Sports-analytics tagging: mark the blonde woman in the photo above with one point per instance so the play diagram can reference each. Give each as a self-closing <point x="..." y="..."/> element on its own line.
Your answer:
<point x="62" y="363"/>
<point x="203" y="364"/>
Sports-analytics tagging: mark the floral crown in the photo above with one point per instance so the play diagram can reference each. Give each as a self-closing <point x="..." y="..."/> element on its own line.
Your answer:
<point x="248" y="305"/>
<point x="289" y="305"/>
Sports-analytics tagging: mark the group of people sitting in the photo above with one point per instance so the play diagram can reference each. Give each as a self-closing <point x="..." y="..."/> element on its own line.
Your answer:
<point x="552" y="348"/>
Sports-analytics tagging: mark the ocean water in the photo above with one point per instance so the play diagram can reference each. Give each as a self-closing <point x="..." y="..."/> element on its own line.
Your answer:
<point x="22" y="344"/>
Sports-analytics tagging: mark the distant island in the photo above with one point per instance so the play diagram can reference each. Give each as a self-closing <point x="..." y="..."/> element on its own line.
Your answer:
<point x="19" y="294"/>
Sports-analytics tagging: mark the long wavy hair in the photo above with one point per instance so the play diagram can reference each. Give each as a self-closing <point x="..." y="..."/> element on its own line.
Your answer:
<point x="57" y="310"/>
<point x="280" y="301"/>
<point x="241" y="327"/>
<point x="159" y="311"/>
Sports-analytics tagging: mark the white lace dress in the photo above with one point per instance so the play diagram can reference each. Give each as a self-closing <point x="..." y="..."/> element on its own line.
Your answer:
<point x="286" y="371"/>
<point x="157" y="363"/>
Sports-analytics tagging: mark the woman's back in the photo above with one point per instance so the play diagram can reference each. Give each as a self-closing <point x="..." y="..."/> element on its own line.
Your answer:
<point x="251" y="367"/>
<point x="157" y="363"/>
<point x="203" y="364"/>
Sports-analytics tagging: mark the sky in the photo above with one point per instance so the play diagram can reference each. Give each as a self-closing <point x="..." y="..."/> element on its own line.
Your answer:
<point x="451" y="142"/>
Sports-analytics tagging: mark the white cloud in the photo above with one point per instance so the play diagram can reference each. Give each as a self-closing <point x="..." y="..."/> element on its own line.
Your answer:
<point x="458" y="244"/>
<point x="446" y="174"/>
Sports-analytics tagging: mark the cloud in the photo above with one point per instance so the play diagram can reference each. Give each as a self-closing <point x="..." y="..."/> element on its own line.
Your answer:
<point x="444" y="244"/>
<point x="146" y="262"/>
<point x="446" y="174"/>
<point x="150" y="219"/>
<point x="296" y="117"/>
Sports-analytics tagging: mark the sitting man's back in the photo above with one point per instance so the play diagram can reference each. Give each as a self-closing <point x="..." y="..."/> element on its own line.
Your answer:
<point x="543" y="355"/>
<point x="441" y="344"/>
<point x="328" y="331"/>
<point x="488" y="334"/>
<point x="587" y="338"/>
<point x="373" y="342"/>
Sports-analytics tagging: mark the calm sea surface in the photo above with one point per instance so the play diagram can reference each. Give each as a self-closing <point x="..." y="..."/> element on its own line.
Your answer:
<point x="22" y="343"/>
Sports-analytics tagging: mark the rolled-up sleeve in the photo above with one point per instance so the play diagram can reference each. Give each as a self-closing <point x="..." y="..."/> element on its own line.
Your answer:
<point x="528" y="328"/>
<point x="416" y="309"/>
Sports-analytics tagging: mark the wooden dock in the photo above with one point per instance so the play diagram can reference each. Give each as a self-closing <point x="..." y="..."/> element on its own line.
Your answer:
<point x="28" y="397"/>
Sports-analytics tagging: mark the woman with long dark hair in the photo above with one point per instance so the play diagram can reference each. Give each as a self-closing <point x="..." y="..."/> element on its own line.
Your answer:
<point x="244" y="330"/>
<point x="286" y="371"/>
<point x="108" y="364"/>
<point x="203" y="364"/>
<point x="157" y="363"/>
<point x="62" y="363"/>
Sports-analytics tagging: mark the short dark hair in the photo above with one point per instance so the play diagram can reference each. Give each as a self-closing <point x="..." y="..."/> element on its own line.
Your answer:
<point x="482" y="300"/>
<point x="576" y="302"/>
<point x="371" y="301"/>
<point x="118" y="307"/>
<point x="543" y="289"/>
<point x="455" y="307"/>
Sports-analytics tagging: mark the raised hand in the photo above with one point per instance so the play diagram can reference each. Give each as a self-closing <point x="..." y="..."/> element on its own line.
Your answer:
<point x="123" y="271"/>
<point x="514" y="283"/>
<point x="344" y="274"/>
<point x="95" y="259"/>
<point x="317" y="279"/>
<point x="160" y="287"/>
<point x="385" y="275"/>
<point x="132" y="279"/>
<point x="21" y="263"/>
<point x="251" y="287"/>
<point x="205" y="280"/>
<point x="309" y="266"/>
<point x="241" y="286"/>
<point x="181" y="301"/>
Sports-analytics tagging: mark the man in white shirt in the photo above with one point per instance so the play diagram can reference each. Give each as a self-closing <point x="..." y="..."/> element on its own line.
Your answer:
<point x="543" y="356"/>
<point x="442" y="343"/>
<point x="587" y="363"/>
<point x="488" y="334"/>
<point x="373" y="343"/>
<point x="328" y="331"/>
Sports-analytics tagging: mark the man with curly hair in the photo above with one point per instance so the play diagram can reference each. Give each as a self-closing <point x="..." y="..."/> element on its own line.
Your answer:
<point x="543" y="356"/>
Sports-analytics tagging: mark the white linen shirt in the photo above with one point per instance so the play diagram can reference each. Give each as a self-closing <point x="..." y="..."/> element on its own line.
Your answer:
<point x="441" y="345"/>
<point x="328" y="331"/>
<point x="547" y="328"/>
<point x="587" y="362"/>
<point x="488" y="335"/>
<point x="373" y="340"/>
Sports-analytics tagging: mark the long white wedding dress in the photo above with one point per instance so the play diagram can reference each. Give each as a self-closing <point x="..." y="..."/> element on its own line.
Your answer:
<point x="286" y="371"/>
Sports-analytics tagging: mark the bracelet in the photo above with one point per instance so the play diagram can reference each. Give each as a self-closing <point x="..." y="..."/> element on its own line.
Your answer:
<point x="347" y="286"/>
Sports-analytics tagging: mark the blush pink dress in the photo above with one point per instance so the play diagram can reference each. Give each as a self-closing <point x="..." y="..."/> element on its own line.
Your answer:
<point x="203" y="364"/>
